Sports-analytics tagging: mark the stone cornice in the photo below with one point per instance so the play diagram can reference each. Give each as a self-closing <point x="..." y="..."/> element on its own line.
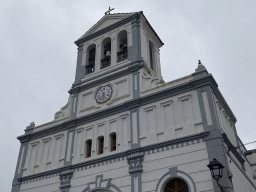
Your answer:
<point x="232" y="148"/>
<point x="135" y="16"/>
<point x="133" y="66"/>
<point x="172" y="91"/>
<point x="129" y="154"/>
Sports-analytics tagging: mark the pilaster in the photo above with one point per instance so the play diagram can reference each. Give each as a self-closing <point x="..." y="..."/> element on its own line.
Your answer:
<point x="135" y="170"/>
<point x="80" y="69"/>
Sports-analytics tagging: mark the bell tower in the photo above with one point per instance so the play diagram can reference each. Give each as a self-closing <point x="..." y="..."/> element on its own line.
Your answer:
<point x="115" y="42"/>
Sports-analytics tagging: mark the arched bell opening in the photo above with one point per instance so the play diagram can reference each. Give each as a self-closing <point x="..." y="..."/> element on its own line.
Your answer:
<point x="122" y="51"/>
<point x="90" y="61"/>
<point x="176" y="185"/>
<point x="106" y="53"/>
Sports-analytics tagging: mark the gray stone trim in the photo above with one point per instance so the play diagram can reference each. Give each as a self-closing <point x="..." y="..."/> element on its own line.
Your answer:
<point x="154" y="148"/>
<point x="73" y="108"/>
<point x="173" y="174"/>
<point x="66" y="162"/>
<point x="133" y="66"/>
<point x="135" y="16"/>
<point x="28" y="130"/>
<point x="133" y="144"/>
<point x="214" y="143"/>
<point x="80" y="70"/>
<point x="175" y="90"/>
<point x="65" y="178"/>
<point x="19" y="167"/>
<point x="136" y="84"/>
<point x="133" y="176"/>
<point x="98" y="188"/>
<point x="135" y="50"/>
<point x="233" y="149"/>
<point x="116" y="68"/>
<point x="135" y="162"/>
<point x="253" y="150"/>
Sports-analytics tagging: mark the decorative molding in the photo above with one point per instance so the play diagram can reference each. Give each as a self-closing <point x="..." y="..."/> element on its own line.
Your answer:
<point x="101" y="184"/>
<point x="60" y="113"/>
<point x="184" y="97"/>
<point x="166" y="103"/>
<point x="98" y="41"/>
<point x="232" y="149"/>
<point x="149" y="108"/>
<point x="34" y="143"/>
<point x="130" y="154"/>
<point x="65" y="178"/>
<point x="113" y="34"/>
<point x="109" y="28"/>
<point x="160" y="95"/>
<point x="175" y="173"/>
<point x="135" y="162"/>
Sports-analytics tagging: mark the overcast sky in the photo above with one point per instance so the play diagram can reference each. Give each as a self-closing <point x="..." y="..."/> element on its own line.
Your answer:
<point x="38" y="56"/>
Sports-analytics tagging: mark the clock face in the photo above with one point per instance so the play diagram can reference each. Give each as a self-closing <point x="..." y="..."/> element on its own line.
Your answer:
<point x="103" y="94"/>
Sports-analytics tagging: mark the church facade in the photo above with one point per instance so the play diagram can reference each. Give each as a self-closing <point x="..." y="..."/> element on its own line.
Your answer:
<point x="124" y="129"/>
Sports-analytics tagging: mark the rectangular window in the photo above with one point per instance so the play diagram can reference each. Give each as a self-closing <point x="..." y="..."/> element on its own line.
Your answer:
<point x="101" y="145"/>
<point x="88" y="148"/>
<point x="113" y="142"/>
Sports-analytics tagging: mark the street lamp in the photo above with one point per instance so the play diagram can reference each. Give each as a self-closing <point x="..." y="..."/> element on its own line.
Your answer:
<point x="216" y="169"/>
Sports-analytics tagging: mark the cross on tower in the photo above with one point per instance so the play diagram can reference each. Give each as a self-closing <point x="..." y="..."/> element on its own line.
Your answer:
<point x="109" y="9"/>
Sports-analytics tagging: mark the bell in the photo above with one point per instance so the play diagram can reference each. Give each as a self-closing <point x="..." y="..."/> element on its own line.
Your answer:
<point x="108" y="53"/>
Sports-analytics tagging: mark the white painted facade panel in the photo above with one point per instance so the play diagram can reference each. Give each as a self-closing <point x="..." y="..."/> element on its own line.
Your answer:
<point x="45" y="154"/>
<point x="226" y="123"/>
<point x="118" y="124"/>
<point x="122" y="91"/>
<point x="171" y="118"/>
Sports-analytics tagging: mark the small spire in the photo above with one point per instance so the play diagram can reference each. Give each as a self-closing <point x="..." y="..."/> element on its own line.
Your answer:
<point x="199" y="64"/>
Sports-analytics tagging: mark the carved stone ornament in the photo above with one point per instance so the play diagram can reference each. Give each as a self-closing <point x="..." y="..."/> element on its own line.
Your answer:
<point x="135" y="162"/>
<point x="65" y="178"/>
<point x="101" y="184"/>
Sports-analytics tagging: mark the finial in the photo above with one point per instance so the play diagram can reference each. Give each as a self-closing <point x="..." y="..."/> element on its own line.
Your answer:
<point x="199" y="62"/>
<point x="32" y="124"/>
<point x="109" y="9"/>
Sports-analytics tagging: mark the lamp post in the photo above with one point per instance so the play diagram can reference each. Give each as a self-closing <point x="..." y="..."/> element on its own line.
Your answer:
<point x="216" y="169"/>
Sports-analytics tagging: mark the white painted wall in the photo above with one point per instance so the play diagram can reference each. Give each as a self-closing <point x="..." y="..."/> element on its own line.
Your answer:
<point x="119" y="124"/>
<point x="225" y="122"/>
<point x="45" y="154"/>
<point x="240" y="182"/>
<point x="191" y="159"/>
<point x="170" y="118"/>
<point x="122" y="91"/>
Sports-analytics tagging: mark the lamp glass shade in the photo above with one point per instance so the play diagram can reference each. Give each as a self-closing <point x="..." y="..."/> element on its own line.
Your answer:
<point x="216" y="169"/>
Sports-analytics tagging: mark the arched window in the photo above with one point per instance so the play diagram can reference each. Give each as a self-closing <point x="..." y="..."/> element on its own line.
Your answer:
<point x="176" y="185"/>
<point x="90" y="61"/>
<point x="151" y="55"/>
<point x="113" y="142"/>
<point x="100" y="145"/>
<point x="106" y="53"/>
<point x="122" y="52"/>
<point x="89" y="148"/>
